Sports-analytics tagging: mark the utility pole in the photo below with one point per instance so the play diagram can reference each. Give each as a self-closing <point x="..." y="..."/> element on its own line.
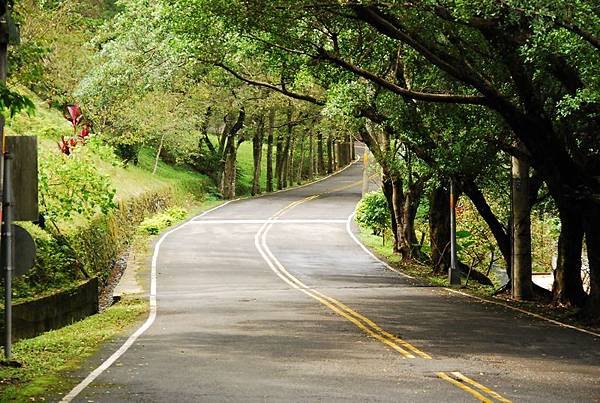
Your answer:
<point x="522" y="285"/>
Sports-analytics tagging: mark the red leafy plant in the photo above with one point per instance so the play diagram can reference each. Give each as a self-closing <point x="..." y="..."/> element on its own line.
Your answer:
<point x="74" y="115"/>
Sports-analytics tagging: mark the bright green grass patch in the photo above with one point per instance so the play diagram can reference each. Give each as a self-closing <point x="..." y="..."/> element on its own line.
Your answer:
<point x="46" y="357"/>
<point x="153" y="225"/>
<point x="134" y="180"/>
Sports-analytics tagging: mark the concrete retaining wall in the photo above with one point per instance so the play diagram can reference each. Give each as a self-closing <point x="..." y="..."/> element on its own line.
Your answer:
<point x="54" y="311"/>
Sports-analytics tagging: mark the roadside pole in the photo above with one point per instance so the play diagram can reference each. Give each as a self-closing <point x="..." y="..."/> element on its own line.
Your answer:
<point x="5" y="238"/>
<point x="365" y="179"/>
<point x="8" y="254"/>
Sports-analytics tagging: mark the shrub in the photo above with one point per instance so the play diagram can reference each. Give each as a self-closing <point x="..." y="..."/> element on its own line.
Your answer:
<point x="71" y="185"/>
<point x="373" y="213"/>
<point x="153" y="225"/>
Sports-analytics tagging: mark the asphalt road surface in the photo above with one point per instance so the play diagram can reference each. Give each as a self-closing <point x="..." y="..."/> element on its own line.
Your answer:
<point x="271" y="299"/>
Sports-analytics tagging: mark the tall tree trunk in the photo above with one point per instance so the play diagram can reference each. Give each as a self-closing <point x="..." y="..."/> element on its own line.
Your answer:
<point x="592" y="241"/>
<point x="160" y="147"/>
<point x="270" y="151"/>
<point x="229" y="156"/>
<point x="410" y="248"/>
<point x="313" y="160"/>
<point x="229" y="171"/>
<point x="301" y="164"/>
<point x="320" y="159"/>
<point x="439" y="229"/>
<point x="286" y="148"/>
<point x="257" y="145"/>
<point x="336" y="154"/>
<point x="397" y="204"/>
<point x="348" y="149"/>
<point x="279" y="159"/>
<point x="522" y="288"/>
<point x="311" y="152"/>
<point x="341" y="153"/>
<point x="568" y="286"/>
<point x="330" y="163"/>
<point x="291" y="163"/>
<point x="388" y="192"/>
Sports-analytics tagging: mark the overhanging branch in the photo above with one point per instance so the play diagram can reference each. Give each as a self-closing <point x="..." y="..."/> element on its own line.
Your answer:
<point x="263" y="84"/>
<point x="419" y="96"/>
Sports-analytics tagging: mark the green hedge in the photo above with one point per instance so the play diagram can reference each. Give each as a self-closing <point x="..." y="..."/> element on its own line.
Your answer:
<point x="64" y="260"/>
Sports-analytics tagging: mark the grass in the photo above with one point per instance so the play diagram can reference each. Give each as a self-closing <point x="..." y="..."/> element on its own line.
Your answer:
<point x="46" y="357"/>
<point x="133" y="180"/>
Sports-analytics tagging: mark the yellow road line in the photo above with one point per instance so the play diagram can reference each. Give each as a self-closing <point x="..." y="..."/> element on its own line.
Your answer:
<point x="362" y="322"/>
<point x="377" y="328"/>
<point x="479" y="386"/>
<point x="406" y="349"/>
<point x="297" y="284"/>
<point x="460" y="385"/>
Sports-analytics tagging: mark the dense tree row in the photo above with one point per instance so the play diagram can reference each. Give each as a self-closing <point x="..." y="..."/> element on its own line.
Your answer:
<point x="436" y="89"/>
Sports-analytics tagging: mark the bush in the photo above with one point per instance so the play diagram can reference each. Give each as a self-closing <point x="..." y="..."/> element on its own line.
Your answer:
<point x="71" y="185"/>
<point x="153" y="225"/>
<point x="55" y="265"/>
<point x="373" y="213"/>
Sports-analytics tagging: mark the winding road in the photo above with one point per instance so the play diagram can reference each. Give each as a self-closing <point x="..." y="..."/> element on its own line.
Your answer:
<point x="273" y="299"/>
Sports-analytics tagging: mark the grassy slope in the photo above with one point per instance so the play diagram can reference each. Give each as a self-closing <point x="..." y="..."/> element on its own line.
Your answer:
<point x="48" y="124"/>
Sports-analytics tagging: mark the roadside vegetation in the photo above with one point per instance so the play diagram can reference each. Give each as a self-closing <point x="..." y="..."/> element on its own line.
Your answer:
<point x="145" y="111"/>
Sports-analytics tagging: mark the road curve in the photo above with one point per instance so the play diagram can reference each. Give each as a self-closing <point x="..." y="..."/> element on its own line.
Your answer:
<point x="270" y="299"/>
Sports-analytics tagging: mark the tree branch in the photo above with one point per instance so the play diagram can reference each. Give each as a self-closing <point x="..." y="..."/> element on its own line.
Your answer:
<point x="285" y="92"/>
<point x="419" y="96"/>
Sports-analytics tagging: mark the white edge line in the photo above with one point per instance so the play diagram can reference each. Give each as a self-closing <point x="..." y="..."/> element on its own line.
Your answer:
<point x="359" y="243"/>
<point x="151" y="317"/>
<point x="274" y="221"/>
<point x="464" y="294"/>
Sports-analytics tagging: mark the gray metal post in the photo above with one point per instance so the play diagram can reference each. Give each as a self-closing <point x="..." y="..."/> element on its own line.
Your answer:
<point x="365" y="182"/>
<point x="453" y="276"/>
<point x="7" y="249"/>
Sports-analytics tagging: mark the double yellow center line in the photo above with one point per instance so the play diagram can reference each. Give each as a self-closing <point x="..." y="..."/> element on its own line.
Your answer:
<point x="475" y="389"/>
<point x="365" y="324"/>
<point x="406" y="349"/>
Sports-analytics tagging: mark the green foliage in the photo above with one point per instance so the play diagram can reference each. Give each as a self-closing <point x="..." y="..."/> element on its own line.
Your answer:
<point x="153" y="225"/>
<point x="71" y="185"/>
<point x="55" y="265"/>
<point x="13" y="102"/>
<point x="97" y="245"/>
<point x="373" y="212"/>
<point x="65" y="258"/>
